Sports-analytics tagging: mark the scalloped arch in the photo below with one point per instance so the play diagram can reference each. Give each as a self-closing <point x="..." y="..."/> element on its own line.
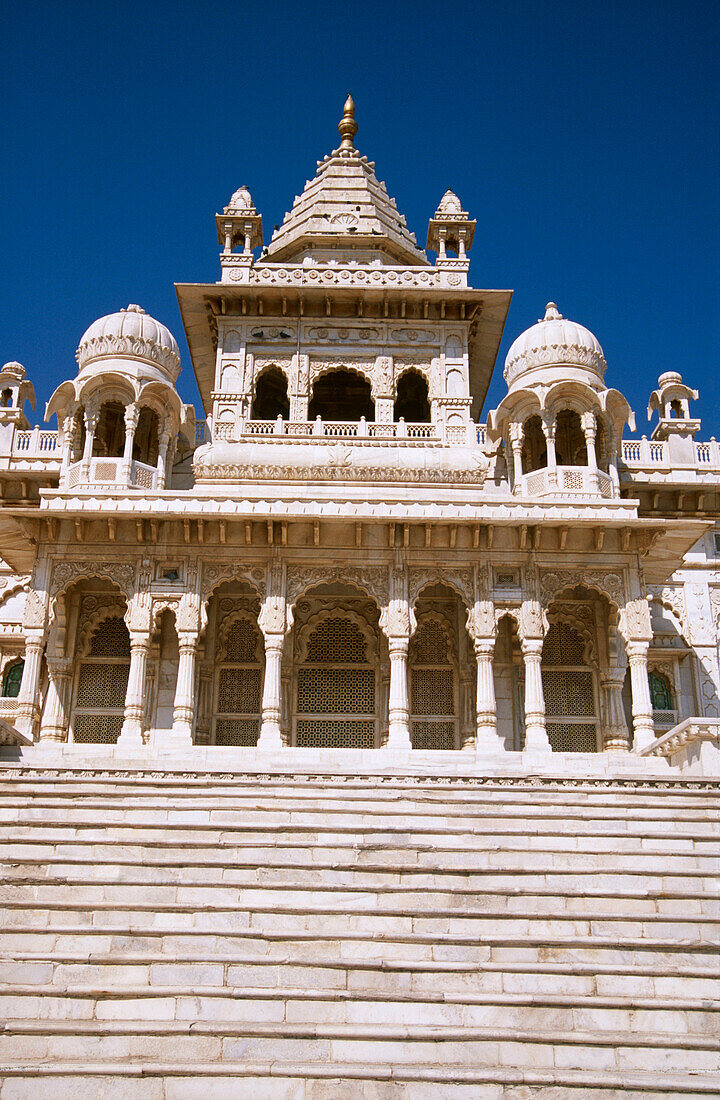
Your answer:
<point x="366" y="629"/>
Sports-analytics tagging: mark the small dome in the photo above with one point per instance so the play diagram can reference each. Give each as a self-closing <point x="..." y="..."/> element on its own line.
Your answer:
<point x="450" y="204"/>
<point x="14" y="370"/>
<point x="130" y="333"/>
<point x="554" y="342"/>
<point x="240" y="201"/>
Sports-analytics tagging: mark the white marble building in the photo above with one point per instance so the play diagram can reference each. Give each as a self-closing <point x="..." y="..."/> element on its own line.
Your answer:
<point x="348" y="552"/>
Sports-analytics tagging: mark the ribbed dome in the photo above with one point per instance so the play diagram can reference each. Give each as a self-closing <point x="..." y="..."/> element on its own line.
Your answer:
<point x="554" y="341"/>
<point x="130" y="333"/>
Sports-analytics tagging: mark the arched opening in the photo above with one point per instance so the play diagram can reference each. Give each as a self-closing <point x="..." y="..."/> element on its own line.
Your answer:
<point x="238" y="682"/>
<point x="534" y="448"/>
<point x="342" y="395"/>
<point x="662" y="697"/>
<point x="676" y="408"/>
<point x="12" y="679"/>
<point x="271" y="396"/>
<point x="442" y="713"/>
<point x="78" y="436"/>
<point x="101" y="684"/>
<point x="508" y="680"/>
<point x="570" y="691"/>
<point x="162" y="675"/>
<point x="109" y="439"/>
<point x="337" y="669"/>
<point x="570" y="445"/>
<point x="6" y="399"/>
<point x="147" y="437"/>
<point x="411" y="402"/>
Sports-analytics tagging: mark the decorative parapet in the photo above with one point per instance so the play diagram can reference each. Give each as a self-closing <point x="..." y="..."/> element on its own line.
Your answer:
<point x="653" y="455"/>
<point x="692" y="745"/>
<point x="235" y="269"/>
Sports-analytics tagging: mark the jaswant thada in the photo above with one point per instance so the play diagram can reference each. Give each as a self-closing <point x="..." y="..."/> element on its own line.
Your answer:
<point x="358" y="741"/>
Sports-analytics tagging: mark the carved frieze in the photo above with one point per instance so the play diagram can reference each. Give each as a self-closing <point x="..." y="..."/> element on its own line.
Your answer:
<point x="215" y="575"/>
<point x="460" y="579"/>
<point x="120" y="573"/>
<point x="372" y="579"/>
<point x="610" y="583"/>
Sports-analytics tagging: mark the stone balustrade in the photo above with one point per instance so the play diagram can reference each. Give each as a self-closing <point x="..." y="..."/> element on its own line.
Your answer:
<point x="566" y="481"/>
<point x="693" y="745"/>
<point x="108" y="473"/>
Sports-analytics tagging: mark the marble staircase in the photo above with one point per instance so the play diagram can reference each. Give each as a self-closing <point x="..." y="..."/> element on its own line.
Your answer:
<point x="172" y="936"/>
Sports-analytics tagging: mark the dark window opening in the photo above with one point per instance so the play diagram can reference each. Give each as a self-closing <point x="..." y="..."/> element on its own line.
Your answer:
<point x="341" y="395"/>
<point x="271" y="396"/>
<point x="6" y="399"/>
<point x="146" y="441"/>
<point x="570" y="444"/>
<point x="411" y="403"/>
<point x="534" y="448"/>
<point x="109" y="441"/>
<point x="12" y="680"/>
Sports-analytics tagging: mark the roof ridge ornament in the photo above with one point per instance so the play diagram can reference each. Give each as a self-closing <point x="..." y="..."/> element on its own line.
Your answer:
<point x="551" y="313"/>
<point x="133" y="309"/>
<point x="347" y="127"/>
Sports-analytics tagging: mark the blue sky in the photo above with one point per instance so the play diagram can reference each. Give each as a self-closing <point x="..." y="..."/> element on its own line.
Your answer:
<point x="582" y="136"/>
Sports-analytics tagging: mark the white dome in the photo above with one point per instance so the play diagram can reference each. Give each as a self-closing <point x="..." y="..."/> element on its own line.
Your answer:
<point x="130" y="333"/>
<point x="554" y="342"/>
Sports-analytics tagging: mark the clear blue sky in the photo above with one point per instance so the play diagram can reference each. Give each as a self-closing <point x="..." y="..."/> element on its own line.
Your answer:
<point x="583" y="137"/>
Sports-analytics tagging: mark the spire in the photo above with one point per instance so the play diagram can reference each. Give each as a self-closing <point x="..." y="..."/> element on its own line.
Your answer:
<point x="348" y="126"/>
<point x="551" y="313"/>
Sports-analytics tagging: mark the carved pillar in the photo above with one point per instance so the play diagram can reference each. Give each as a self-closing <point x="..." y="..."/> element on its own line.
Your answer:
<point x="135" y="695"/>
<point x="616" y="737"/>
<point x="643" y="726"/>
<point x="184" y="705"/>
<point x="536" y="738"/>
<point x="68" y="429"/>
<point x="274" y="622"/>
<point x="548" y="426"/>
<point x="516" y="442"/>
<point x="53" y="727"/>
<point x="162" y="460"/>
<point x="397" y="622"/>
<point x="487" y="739"/>
<point x="28" y="706"/>
<point x="91" y="419"/>
<point x="132" y="414"/>
<point x="589" y="425"/>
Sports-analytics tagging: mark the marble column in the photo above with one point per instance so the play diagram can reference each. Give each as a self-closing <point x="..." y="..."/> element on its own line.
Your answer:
<point x="53" y="727"/>
<point x="589" y="425"/>
<point x="28" y="704"/>
<point x="486" y="739"/>
<point x="132" y="414"/>
<point x="536" y="738"/>
<point x="184" y="706"/>
<point x="91" y="419"/>
<point x="616" y="737"/>
<point x="162" y="460"/>
<point x="68" y="426"/>
<point x="516" y="442"/>
<point x="548" y="425"/>
<point x="135" y="695"/>
<point x="270" y="731"/>
<point x="644" y="730"/>
<point x="399" y="702"/>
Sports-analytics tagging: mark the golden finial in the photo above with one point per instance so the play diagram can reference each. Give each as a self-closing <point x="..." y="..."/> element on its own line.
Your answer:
<point x="347" y="124"/>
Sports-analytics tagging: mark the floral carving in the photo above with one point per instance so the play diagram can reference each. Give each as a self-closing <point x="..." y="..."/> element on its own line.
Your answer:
<point x="460" y="579"/>
<point x="373" y="579"/>
<point x="120" y="573"/>
<point x="215" y="575"/>
<point x="609" y="584"/>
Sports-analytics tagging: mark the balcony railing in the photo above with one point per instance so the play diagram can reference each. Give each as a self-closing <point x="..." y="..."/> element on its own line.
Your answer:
<point x="107" y="473"/>
<point x="567" y="481"/>
<point x="645" y="453"/>
<point x="350" y="430"/>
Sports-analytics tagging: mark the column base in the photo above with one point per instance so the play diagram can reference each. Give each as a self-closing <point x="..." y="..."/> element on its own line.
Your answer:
<point x="643" y="736"/>
<point x="130" y="735"/>
<point x="537" y="741"/>
<point x="270" y="739"/>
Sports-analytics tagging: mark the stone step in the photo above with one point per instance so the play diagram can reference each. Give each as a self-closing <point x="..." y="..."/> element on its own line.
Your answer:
<point x="261" y="958"/>
<point x="192" y="1040"/>
<point x="298" y="1080"/>
<point x="673" y="1016"/>
<point x="374" y="820"/>
<point x="282" y="812"/>
<point x="252" y="910"/>
<point x="577" y="901"/>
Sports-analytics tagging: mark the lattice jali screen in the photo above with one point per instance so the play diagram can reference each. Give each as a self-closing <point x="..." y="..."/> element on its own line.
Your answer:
<point x="340" y="641"/>
<point x="336" y="691"/>
<point x="568" y="694"/>
<point x="429" y="645"/>
<point x="335" y="734"/>
<point x="242" y="641"/>
<point x="572" y="737"/>
<point x="563" y="646"/>
<point x="111" y="639"/>
<point x="102" y="685"/>
<point x="237" y="731"/>
<point x="431" y="691"/>
<point x="433" y="735"/>
<point x="239" y="691"/>
<point x="97" y="729"/>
